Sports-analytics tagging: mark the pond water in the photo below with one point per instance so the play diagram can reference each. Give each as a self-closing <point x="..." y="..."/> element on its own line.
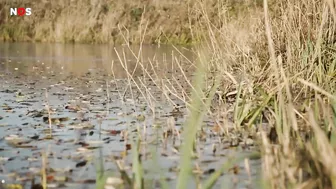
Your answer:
<point x="99" y="96"/>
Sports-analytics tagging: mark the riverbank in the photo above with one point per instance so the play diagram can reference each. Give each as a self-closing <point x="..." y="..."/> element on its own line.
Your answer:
<point x="98" y="22"/>
<point x="116" y="22"/>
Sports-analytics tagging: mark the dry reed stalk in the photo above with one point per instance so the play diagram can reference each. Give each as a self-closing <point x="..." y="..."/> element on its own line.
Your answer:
<point x="49" y="114"/>
<point x="43" y="170"/>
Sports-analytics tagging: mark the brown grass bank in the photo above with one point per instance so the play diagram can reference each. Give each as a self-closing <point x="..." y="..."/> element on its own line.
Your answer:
<point x="99" y="21"/>
<point x="284" y="55"/>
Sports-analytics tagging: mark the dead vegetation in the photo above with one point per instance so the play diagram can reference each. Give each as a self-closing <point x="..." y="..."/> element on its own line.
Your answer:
<point x="275" y="58"/>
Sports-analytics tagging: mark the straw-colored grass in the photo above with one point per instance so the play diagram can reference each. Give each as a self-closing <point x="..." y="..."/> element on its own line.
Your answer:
<point x="92" y="21"/>
<point x="284" y="53"/>
<point x="277" y="59"/>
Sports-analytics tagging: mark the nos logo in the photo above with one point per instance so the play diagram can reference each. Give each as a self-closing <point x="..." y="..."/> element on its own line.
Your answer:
<point x="20" y="11"/>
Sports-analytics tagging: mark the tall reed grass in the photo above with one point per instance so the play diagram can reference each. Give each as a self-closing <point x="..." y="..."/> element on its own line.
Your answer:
<point x="283" y="52"/>
<point x="278" y="57"/>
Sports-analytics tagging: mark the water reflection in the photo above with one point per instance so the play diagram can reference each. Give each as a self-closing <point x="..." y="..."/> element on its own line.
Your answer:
<point x="80" y="58"/>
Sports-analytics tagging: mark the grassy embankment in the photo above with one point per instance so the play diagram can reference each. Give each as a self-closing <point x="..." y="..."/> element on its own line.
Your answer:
<point x="104" y="21"/>
<point x="284" y="52"/>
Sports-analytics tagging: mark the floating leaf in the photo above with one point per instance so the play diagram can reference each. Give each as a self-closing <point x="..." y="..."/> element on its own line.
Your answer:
<point x="112" y="182"/>
<point x="141" y="118"/>
<point x="115" y="132"/>
<point x="81" y="164"/>
<point x="128" y="146"/>
<point x="50" y="178"/>
<point x="15" y="139"/>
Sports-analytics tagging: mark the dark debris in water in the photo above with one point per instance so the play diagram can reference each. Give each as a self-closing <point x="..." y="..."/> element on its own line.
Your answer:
<point x="8" y="91"/>
<point x="81" y="164"/>
<point x="87" y="127"/>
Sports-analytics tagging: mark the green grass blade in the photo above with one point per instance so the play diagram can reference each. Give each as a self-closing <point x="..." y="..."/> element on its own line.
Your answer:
<point x="137" y="167"/>
<point x="193" y="123"/>
<point x="237" y="110"/>
<point x="258" y="111"/>
<point x="163" y="182"/>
